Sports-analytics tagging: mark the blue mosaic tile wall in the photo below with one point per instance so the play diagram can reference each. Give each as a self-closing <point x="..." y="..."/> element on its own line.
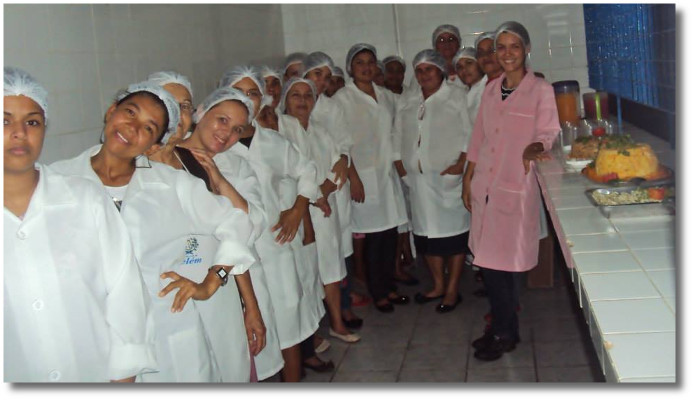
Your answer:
<point x="631" y="51"/>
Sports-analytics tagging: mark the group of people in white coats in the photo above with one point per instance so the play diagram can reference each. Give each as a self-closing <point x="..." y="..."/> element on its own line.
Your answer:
<point x="206" y="243"/>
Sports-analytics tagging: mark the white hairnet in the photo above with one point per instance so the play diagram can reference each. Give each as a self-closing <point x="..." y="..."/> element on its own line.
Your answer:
<point x="287" y="87"/>
<point x="315" y="60"/>
<point x="399" y="59"/>
<point x="381" y="66"/>
<point x="223" y="94"/>
<point x="516" y="29"/>
<point x="338" y="72"/>
<point x="19" y="83"/>
<point x="446" y="28"/>
<point x="267" y="71"/>
<point x="485" y="35"/>
<point x="172" y="107"/>
<point x="430" y="56"/>
<point x="162" y="78"/>
<point x="354" y="50"/>
<point x="465" y="52"/>
<point x="294" y="58"/>
<point x="234" y="75"/>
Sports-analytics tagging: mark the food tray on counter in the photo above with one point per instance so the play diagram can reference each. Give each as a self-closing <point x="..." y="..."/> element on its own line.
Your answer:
<point x="644" y="200"/>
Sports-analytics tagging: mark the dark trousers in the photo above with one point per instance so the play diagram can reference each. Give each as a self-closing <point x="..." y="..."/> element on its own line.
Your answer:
<point x="345" y="285"/>
<point x="380" y="250"/>
<point x="307" y="348"/>
<point x="504" y="298"/>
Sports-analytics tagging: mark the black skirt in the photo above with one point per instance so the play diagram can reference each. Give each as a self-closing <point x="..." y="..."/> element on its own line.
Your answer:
<point x="443" y="247"/>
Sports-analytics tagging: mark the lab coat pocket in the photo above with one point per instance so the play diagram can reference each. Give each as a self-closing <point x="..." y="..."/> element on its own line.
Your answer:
<point x="451" y="190"/>
<point x="369" y="178"/>
<point x="506" y="198"/>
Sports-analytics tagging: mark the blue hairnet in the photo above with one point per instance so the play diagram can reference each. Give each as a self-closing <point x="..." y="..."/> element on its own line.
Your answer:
<point x="446" y="28"/>
<point x="294" y="58"/>
<point x="399" y="59"/>
<point x="430" y="56"/>
<point x="485" y="35"/>
<point x="162" y="78"/>
<point x="516" y="29"/>
<point x="287" y="87"/>
<point x="465" y="52"/>
<point x="223" y="94"/>
<point x="338" y="72"/>
<point x="354" y="50"/>
<point x="172" y="107"/>
<point x="315" y="60"/>
<point x="19" y="83"/>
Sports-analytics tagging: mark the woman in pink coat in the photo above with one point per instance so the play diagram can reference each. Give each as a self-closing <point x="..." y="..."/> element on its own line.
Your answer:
<point x="516" y="125"/>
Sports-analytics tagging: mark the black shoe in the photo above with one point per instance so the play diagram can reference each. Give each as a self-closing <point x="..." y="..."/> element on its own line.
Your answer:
<point x="385" y="308"/>
<point x="483" y="341"/>
<point x="495" y="349"/>
<point x="400" y="299"/>
<point x="355" y="323"/>
<point x="422" y="299"/>
<point x="322" y="367"/>
<point x="443" y="308"/>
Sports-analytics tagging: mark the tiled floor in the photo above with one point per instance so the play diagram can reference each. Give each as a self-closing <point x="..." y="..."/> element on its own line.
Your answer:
<point x="416" y="344"/>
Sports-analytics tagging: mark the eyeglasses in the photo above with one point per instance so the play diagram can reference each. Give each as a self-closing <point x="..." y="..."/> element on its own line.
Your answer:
<point x="186" y="107"/>
<point x="253" y="93"/>
<point x="480" y="54"/>
<point x="448" y="39"/>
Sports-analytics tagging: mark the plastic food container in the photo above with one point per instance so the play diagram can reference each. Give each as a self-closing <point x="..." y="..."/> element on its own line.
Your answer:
<point x="567" y="101"/>
<point x="591" y="109"/>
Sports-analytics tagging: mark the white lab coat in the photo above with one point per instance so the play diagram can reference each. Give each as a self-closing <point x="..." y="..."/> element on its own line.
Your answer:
<point x="326" y="113"/>
<point x="474" y="98"/>
<point x="239" y="173"/>
<point x="317" y="145"/>
<point x="427" y="147"/>
<point x="75" y="305"/>
<point x="283" y="173"/>
<point x="368" y="124"/>
<point x="164" y="209"/>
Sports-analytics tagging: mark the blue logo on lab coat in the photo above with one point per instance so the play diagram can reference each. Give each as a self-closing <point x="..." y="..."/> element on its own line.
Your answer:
<point x="191" y="252"/>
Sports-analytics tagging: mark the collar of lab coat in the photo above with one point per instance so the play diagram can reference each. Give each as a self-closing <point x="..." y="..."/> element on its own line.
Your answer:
<point x="57" y="193"/>
<point x="145" y="172"/>
<point x="378" y="91"/>
<point x="442" y="92"/>
<point x="525" y="85"/>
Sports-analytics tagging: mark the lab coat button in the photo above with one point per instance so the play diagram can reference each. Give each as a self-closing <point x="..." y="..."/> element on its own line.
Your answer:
<point x="22" y="235"/>
<point x="37" y="305"/>
<point x="54" y="376"/>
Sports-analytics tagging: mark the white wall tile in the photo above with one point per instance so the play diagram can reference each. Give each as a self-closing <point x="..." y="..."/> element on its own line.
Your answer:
<point x="85" y="53"/>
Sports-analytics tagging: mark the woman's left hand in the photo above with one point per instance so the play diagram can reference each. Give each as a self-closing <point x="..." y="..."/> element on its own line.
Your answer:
<point x="255" y="329"/>
<point x="323" y="205"/>
<point x="186" y="289"/>
<point x="534" y="152"/>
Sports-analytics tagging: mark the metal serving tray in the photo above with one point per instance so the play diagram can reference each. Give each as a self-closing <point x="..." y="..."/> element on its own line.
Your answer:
<point x="654" y="208"/>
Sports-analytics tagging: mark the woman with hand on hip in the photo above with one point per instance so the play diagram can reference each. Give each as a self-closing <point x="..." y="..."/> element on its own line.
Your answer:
<point x="516" y="126"/>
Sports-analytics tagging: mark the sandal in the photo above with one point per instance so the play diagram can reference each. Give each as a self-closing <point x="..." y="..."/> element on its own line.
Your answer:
<point x="322" y="367"/>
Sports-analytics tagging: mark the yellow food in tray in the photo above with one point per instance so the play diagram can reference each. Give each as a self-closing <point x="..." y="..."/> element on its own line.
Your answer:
<point x="627" y="162"/>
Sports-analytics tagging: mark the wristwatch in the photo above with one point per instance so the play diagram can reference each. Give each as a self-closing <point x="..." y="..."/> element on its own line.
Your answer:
<point x="222" y="274"/>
